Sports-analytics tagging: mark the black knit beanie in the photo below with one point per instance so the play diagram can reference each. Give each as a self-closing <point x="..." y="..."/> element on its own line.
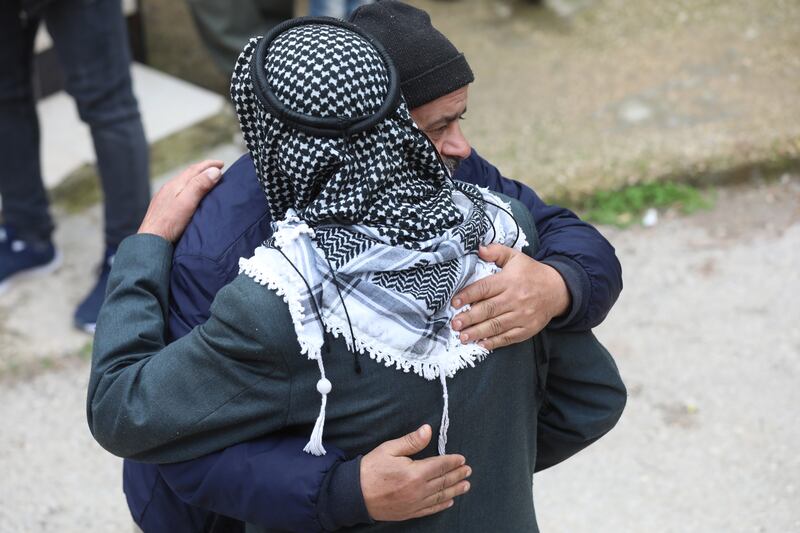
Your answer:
<point x="428" y="63"/>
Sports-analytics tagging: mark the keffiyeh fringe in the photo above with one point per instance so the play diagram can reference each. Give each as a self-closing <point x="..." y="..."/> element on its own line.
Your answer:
<point x="268" y="268"/>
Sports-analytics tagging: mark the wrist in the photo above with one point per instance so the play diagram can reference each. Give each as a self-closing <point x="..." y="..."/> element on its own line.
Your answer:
<point x="158" y="229"/>
<point x="560" y="298"/>
<point x="578" y="286"/>
<point x="341" y="503"/>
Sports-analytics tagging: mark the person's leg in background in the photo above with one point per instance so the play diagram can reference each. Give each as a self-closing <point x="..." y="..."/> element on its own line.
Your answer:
<point x="25" y="235"/>
<point x="226" y="25"/>
<point x="327" y="8"/>
<point x="340" y="9"/>
<point x="91" y="42"/>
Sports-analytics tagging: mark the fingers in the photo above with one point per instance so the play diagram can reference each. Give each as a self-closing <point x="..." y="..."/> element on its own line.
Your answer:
<point x="194" y="169"/>
<point x="398" y="488"/>
<point x="444" y="490"/>
<point x="497" y="254"/>
<point x="480" y="312"/>
<point x="174" y="204"/>
<point x="507" y="338"/>
<point x="492" y="327"/>
<point x="482" y="289"/>
<point x="199" y="185"/>
<point x="433" y="509"/>
<point x="443" y="495"/>
<point x="436" y="467"/>
<point x="410" y="443"/>
<point x="449" y="479"/>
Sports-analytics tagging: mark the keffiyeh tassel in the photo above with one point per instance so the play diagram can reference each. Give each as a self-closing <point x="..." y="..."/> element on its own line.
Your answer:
<point x="445" y="415"/>
<point x="324" y="386"/>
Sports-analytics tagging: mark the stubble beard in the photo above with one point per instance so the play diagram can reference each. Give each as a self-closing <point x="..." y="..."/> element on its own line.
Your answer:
<point x="451" y="163"/>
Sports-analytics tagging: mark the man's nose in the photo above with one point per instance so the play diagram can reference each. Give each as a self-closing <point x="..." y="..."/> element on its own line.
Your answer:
<point x="454" y="144"/>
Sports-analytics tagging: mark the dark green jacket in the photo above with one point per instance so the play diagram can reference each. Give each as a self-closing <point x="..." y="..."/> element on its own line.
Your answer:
<point x="241" y="375"/>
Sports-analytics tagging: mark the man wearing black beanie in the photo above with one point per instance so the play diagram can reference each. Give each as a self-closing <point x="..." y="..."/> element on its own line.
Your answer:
<point x="571" y="286"/>
<point x="428" y="63"/>
<point x="575" y="278"/>
<point x="432" y="71"/>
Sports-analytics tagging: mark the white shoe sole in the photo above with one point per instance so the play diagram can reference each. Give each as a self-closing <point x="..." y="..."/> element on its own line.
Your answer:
<point x="49" y="268"/>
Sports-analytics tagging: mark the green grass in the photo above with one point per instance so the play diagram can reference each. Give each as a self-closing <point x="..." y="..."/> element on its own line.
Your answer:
<point x="624" y="206"/>
<point x="14" y="370"/>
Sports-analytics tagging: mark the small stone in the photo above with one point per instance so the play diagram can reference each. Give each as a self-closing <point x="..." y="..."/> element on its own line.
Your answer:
<point x="650" y="218"/>
<point x="635" y="111"/>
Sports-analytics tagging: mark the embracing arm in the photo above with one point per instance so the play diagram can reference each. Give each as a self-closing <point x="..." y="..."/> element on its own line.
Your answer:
<point x="581" y="255"/>
<point x="584" y="396"/>
<point x="319" y="491"/>
<point x="583" y="393"/>
<point x="210" y="389"/>
<point x="271" y="482"/>
<point x="217" y="386"/>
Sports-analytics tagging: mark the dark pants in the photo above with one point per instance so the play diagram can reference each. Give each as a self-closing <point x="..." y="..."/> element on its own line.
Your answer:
<point x="225" y="26"/>
<point x="90" y="41"/>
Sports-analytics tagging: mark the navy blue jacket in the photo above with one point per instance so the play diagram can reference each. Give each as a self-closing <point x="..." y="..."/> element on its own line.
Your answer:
<point x="298" y="492"/>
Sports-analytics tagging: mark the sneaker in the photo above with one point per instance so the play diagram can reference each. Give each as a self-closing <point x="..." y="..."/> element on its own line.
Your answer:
<point x="86" y="314"/>
<point x="20" y="258"/>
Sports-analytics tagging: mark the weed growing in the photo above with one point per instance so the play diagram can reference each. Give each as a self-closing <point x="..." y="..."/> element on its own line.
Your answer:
<point x="625" y="206"/>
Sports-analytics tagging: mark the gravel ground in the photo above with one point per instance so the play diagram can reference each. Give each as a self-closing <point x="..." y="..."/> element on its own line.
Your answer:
<point x="706" y="335"/>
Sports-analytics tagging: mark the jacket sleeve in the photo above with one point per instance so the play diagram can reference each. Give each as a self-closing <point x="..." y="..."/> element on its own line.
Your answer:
<point x="584" y="396"/>
<point x="214" y="387"/>
<point x="194" y="282"/>
<point x="583" y="257"/>
<point x="272" y="483"/>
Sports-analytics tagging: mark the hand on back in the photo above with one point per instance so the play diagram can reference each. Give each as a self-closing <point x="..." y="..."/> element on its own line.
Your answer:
<point x="173" y="206"/>
<point x="396" y="487"/>
<point x="513" y="305"/>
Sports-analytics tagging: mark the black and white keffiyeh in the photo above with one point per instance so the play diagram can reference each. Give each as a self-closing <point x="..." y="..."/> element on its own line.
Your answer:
<point x="372" y="237"/>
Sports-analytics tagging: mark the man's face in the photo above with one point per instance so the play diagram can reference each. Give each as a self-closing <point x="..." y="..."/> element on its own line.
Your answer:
<point x="439" y="120"/>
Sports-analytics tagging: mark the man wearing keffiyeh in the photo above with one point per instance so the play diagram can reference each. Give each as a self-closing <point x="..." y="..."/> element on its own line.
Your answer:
<point x="378" y="236"/>
<point x="347" y="172"/>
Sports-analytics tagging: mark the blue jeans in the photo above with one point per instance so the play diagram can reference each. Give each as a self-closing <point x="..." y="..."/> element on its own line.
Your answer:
<point x="334" y="8"/>
<point x="90" y="41"/>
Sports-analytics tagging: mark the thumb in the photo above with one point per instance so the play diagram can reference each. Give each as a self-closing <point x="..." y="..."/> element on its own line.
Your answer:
<point x="411" y="443"/>
<point x="496" y="253"/>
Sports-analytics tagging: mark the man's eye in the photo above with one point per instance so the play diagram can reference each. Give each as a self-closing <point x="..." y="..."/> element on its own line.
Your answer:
<point x="437" y="132"/>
